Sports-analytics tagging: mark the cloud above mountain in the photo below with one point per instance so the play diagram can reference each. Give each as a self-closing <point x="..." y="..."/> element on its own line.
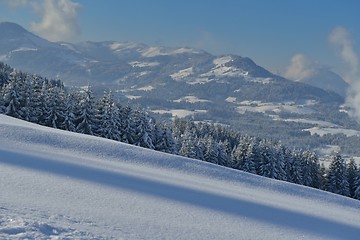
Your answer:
<point x="58" y="18"/>
<point x="342" y="40"/>
<point x="344" y="44"/>
<point x="300" y="67"/>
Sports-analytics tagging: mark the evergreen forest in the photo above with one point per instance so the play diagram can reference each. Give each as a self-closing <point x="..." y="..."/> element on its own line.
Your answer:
<point x="49" y="103"/>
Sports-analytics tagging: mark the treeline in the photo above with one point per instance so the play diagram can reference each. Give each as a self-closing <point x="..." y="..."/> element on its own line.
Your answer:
<point x="264" y="157"/>
<point x="49" y="103"/>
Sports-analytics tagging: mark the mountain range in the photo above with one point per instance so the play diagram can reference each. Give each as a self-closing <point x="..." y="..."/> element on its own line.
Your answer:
<point x="188" y="82"/>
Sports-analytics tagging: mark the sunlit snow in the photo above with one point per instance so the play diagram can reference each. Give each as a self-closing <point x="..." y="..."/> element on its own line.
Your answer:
<point x="60" y="185"/>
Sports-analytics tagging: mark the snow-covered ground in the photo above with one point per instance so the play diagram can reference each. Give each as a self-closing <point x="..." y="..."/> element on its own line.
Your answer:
<point x="61" y="185"/>
<point x="191" y="99"/>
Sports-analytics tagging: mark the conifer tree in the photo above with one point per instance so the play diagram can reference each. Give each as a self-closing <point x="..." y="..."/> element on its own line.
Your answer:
<point x="11" y="96"/>
<point x="54" y="113"/>
<point x="337" y="179"/>
<point x="296" y="165"/>
<point x="310" y="169"/>
<point x="37" y="100"/>
<point x="142" y="129"/>
<point x="68" y="122"/>
<point x="357" y="186"/>
<point x="352" y="170"/>
<point x="163" y="139"/>
<point x="251" y="157"/>
<point x="85" y="120"/>
<point x="107" y="117"/>
<point x="223" y="158"/>
<point x="126" y="130"/>
<point x="211" y="151"/>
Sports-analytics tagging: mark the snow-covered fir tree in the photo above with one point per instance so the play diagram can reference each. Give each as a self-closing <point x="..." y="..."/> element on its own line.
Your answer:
<point x="108" y="118"/>
<point x="357" y="184"/>
<point x="85" y="113"/>
<point x="337" y="179"/>
<point x="310" y="169"/>
<point x="352" y="170"/>
<point x="163" y="139"/>
<point x="296" y="171"/>
<point x="142" y="129"/>
<point x="11" y="96"/>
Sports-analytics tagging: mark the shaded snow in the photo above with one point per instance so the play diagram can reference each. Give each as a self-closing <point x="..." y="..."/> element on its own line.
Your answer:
<point x="61" y="185"/>
<point x="182" y="74"/>
<point x="191" y="99"/>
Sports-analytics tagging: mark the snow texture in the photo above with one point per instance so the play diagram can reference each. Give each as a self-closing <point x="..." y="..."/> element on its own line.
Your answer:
<point x="61" y="185"/>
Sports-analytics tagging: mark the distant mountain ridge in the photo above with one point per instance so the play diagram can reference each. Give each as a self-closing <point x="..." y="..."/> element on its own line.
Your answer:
<point x="327" y="80"/>
<point x="114" y="63"/>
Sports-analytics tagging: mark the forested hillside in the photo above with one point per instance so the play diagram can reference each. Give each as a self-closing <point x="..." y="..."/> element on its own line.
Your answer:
<point x="49" y="103"/>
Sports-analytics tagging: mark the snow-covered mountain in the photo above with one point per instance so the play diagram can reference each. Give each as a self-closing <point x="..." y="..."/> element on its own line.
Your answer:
<point x="62" y="185"/>
<point x="167" y="74"/>
<point x="327" y="80"/>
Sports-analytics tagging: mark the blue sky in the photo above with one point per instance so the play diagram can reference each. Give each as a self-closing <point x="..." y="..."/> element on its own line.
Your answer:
<point x="270" y="32"/>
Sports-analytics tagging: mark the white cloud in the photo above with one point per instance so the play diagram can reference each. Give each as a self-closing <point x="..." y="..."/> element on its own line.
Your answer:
<point x="301" y="67"/>
<point x="341" y="38"/>
<point x="58" y="18"/>
<point x="58" y="21"/>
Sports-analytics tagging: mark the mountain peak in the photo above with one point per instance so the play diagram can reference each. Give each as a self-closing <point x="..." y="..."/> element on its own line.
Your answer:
<point x="327" y="80"/>
<point x="11" y="30"/>
<point x="14" y="36"/>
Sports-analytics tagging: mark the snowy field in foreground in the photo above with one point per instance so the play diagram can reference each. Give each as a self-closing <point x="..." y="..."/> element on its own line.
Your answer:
<point x="56" y="184"/>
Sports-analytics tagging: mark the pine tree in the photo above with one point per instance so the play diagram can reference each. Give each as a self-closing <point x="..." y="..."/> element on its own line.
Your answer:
<point x="357" y="186"/>
<point x="211" y="151"/>
<point x="239" y="153"/>
<point x="26" y="91"/>
<point x="271" y="160"/>
<point x="310" y="169"/>
<point x="85" y="120"/>
<point x="323" y="177"/>
<point x="188" y="149"/>
<point x="142" y="126"/>
<point x="54" y="112"/>
<point x="12" y="99"/>
<point x="251" y="156"/>
<point x="37" y="100"/>
<point x="126" y="130"/>
<point x="107" y="117"/>
<point x="279" y="154"/>
<point x="296" y="165"/>
<point x="163" y="139"/>
<point x="337" y="179"/>
<point x="352" y="170"/>
<point x="223" y="158"/>
<point x="68" y="122"/>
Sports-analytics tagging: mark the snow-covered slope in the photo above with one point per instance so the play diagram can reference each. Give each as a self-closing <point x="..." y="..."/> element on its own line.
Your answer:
<point x="56" y="184"/>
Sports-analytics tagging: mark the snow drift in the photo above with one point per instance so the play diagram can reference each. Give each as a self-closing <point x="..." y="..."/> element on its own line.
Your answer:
<point x="57" y="184"/>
